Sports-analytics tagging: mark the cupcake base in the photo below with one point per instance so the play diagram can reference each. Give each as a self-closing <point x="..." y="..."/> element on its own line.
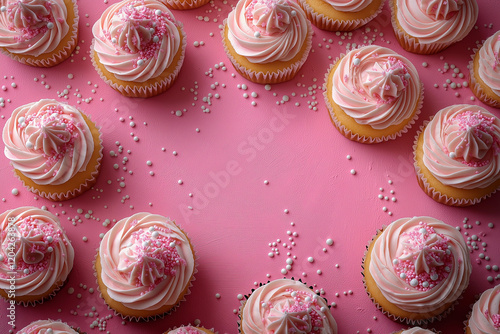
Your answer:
<point x="184" y="4"/>
<point x="34" y="299"/>
<point x="77" y="185"/>
<point x="478" y="87"/>
<point x="442" y="193"/>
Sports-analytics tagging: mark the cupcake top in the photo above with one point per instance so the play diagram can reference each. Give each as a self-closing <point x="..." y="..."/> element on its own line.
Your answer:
<point x="376" y="86"/>
<point x="147" y="262"/>
<point x="417" y="330"/>
<point x="48" y="141"/>
<point x="462" y="147"/>
<point x="286" y="306"/>
<point x="485" y="315"/>
<point x="349" y="5"/>
<point x="137" y="40"/>
<point x="186" y="330"/>
<point x="34" y="246"/>
<point x="47" y="327"/>
<point x="437" y="21"/>
<point x="265" y="31"/>
<point x="32" y="27"/>
<point x="489" y="63"/>
<point x="420" y="264"/>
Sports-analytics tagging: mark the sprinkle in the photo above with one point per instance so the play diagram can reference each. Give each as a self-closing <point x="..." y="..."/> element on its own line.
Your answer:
<point x="15" y="191"/>
<point x="329" y="242"/>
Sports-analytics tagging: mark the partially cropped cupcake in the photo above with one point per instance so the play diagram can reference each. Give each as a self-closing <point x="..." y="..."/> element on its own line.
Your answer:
<point x="485" y="71"/>
<point x="416" y="268"/>
<point x="285" y="306"/>
<point x="184" y="4"/>
<point x="373" y="94"/>
<point x="39" y="33"/>
<point x="485" y="314"/>
<point x="457" y="155"/>
<point x="190" y="330"/>
<point x="34" y="249"/>
<point x="138" y="47"/>
<point x="144" y="266"/>
<point x="49" y="327"/>
<point x="55" y="149"/>
<point x="430" y="26"/>
<point x="341" y="15"/>
<point x="267" y="41"/>
<point x="415" y="330"/>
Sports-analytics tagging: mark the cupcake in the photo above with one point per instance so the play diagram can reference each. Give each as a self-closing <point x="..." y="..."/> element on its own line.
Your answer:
<point x="340" y="15"/>
<point x="285" y="306"/>
<point x="416" y="268"/>
<point x="189" y="330"/>
<point x="457" y="155"/>
<point x="267" y="41"/>
<point x="373" y="94"/>
<point x="39" y="33"/>
<point x="485" y="71"/>
<point x="138" y="47"/>
<point x="184" y="4"/>
<point x="430" y="26"/>
<point x="48" y="327"/>
<point x="415" y="330"/>
<point x="485" y="314"/>
<point x="55" y="149"/>
<point x="144" y="266"/>
<point x="35" y="249"/>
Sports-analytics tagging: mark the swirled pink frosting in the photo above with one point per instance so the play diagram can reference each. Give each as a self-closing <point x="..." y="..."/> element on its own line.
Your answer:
<point x="485" y="315"/>
<point x="264" y="31"/>
<point x="34" y="249"/>
<point x="462" y="147"/>
<point x="489" y="63"/>
<point x="349" y="5"/>
<point x="47" y="327"/>
<point x="376" y="86"/>
<point x="136" y="40"/>
<point x="420" y="264"/>
<point x="186" y="330"/>
<point x="32" y="27"/>
<point x="146" y="261"/>
<point x="437" y="21"/>
<point x="48" y="141"/>
<point x="417" y="330"/>
<point x="286" y="306"/>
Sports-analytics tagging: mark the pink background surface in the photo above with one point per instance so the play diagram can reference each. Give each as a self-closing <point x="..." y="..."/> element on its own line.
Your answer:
<point x="234" y="219"/>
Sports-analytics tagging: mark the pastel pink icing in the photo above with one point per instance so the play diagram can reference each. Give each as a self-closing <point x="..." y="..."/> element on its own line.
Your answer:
<point x="48" y="141"/>
<point x="485" y="315"/>
<point x="146" y="261"/>
<point x="47" y="327"/>
<point x="264" y="31"/>
<point x="186" y="330"/>
<point x="420" y="264"/>
<point x="136" y="40"/>
<point x="32" y="27"/>
<point x="417" y="330"/>
<point x="349" y="5"/>
<point x="286" y="306"/>
<point x="34" y="249"/>
<point x="462" y="147"/>
<point x="437" y="21"/>
<point x="489" y="63"/>
<point x="376" y="86"/>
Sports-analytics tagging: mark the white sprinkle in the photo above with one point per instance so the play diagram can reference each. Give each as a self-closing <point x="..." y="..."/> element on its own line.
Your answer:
<point x="15" y="191"/>
<point x="329" y="242"/>
<point x="310" y="259"/>
<point x="353" y="171"/>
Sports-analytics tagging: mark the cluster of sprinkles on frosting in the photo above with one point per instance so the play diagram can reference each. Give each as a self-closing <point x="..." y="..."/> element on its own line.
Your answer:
<point x="138" y="29"/>
<point x="426" y="259"/>
<point x="269" y="17"/>
<point x="494" y="319"/>
<point x="150" y="257"/>
<point x="440" y="9"/>
<point x="29" y="18"/>
<point x="188" y="330"/>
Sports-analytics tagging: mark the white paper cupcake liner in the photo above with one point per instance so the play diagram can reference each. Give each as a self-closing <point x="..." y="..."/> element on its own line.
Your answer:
<point x="282" y="75"/>
<point x="184" y="4"/>
<point x="476" y="88"/>
<point x="55" y="58"/>
<point x="326" y="23"/>
<point x="153" y="89"/>
<point x="358" y="137"/>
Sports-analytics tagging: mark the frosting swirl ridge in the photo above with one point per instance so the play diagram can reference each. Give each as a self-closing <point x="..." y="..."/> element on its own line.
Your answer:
<point x="489" y="63"/>
<point x="485" y="315"/>
<point x="47" y="327"/>
<point x="349" y="5"/>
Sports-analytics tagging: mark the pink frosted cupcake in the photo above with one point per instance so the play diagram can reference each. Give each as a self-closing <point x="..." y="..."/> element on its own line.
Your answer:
<point x="485" y="314"/>
<point x="35" y="242"/>
<point x="55" y="149"/>
<point x="485" y="71"/>
<point x="138" y="47"/>
<point x="430" y="26"/>
<point x="457" y="155"/>
<point x="39" y="33"/>
<point x="267" y="41"/>
<point x="144" y="266"/>
<point x="49" y="327"/>
<point x="373" y="94"/>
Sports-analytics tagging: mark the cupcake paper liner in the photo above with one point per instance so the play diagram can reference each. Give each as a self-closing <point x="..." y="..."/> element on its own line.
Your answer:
<point x="151" y="90"/>
<point x="269" y="77"/>
<point x="55" y="58"/>
<point x="184" y="4"/>
<point x="326" y="23"/>
<point x="358" y="137"/>
<point x="431" y="191"/>
<point x="51" y="295"/>
<point x="477" y="89"/>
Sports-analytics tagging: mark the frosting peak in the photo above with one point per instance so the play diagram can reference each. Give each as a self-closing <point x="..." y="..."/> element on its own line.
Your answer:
<point x="289" y="317"/>
<point x="132" y="28"/>
<point x="441" y="9"/>
<point x="385" y="80"/>
<point x="28" y="13"/>
<point x="270" y="17"/>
